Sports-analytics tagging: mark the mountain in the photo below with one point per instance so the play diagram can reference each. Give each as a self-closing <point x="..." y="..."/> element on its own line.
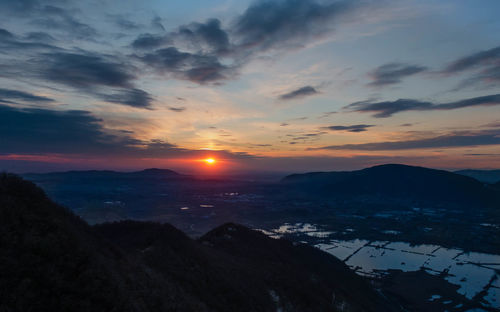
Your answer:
<point x="487" y="176"/>
<point x="105" y="174"/>
<point x="51" y="260"/>
<point x="306" y="272"/>
<point x="392" y="180"/>
<point x="497" y="185"/>
<point x="233" y="268"/>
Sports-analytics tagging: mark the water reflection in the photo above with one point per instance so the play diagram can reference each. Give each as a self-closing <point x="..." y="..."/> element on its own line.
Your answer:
<point x="473" y="272"/>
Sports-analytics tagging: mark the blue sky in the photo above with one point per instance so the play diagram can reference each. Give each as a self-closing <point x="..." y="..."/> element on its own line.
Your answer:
<point x="260" y="85"/>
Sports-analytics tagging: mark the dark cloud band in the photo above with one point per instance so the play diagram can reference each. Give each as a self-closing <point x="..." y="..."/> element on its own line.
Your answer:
<point x="93" y="74"/>
<point x="444" y="141"/>
<point x="84" y="70"/>
<point x="299" y="93"/>
<point x="486" y="65"/>
<point x="393" y="73"/>
<point x="22" y="96"/>
<point x="352" y="128"/>
<point x="388" y="108"/>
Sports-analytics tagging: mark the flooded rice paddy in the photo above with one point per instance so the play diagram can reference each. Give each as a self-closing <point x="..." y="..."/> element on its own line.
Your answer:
<point x="476" y="274"/>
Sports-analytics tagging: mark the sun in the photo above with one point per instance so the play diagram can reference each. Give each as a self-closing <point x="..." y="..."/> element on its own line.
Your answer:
<point x="210" y="161"/>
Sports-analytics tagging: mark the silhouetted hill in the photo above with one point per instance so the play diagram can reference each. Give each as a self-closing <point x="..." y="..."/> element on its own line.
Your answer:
<point x="299" y="275"/>
<point x="497" y="185"/>
<point x="53" y="261"/>
<point x="106" y="174"/>
<point x="487" y="176"/>
<point x="393" y="180"/>
<point x="155" y="172"/>
<point x="234" y="268"/>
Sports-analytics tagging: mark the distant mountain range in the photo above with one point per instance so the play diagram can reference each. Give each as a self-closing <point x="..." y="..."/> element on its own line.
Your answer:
<point x="393" y="180"/>
<point x="107" y="174"/>
<point x="384" y="181"/>
<point x="488" y="176"/>
<point x="53" y="261"/>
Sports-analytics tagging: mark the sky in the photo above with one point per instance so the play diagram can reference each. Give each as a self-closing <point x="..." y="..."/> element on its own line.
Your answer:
<point x="268" y="86"/>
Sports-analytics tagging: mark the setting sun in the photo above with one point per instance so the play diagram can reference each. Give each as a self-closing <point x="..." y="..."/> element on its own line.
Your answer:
<point x="210" y="161"/>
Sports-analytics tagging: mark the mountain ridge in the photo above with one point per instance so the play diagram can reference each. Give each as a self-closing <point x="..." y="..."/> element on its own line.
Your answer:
<point x="394" y="180"/>
<point x="147" y="171"/>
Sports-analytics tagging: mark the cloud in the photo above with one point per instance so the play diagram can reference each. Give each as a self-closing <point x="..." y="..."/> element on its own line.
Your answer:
<point x="481" y="154"/>
<point x="200" y="52"/>
<point x="192" y="52"/>
<point x="393" y="73"/>
<point x="32" y="42"/>
<point x="20" y="95"/>
<point x="195" y="67"/>
<point x="77" y="132"/>
<point x="314" y="134"/>
<point x="149" y="41"/>
<point x="327" y="114"/>
<point x="177" y="109"/>
<point x="98" y="75"/>
<point x="352" y="128"/>
<point x="303" y="138"/>
<point x="131" y="97"/>
<point x="93" y="74"/>
<point x="39" y="36"/>
<point x="46" y="14"/>
<point x="156" y="22"/>
<point x="123" y="22"/>
<point x="210" y="34"/>
<point x="60" y="19"/>
<point x="209" y="53"/>
<point x="479" y="59"/>
<point x="299" y="118"/>
<point x="20" y="7"/>
<point x="299" y="93"/>
<point x="388" y="108"/>
<point x="494" y="124"/>
<point x="275" y="24"/>
<point x="31" y="130"/>
<point x="84" y="70"/>
<point x="485" y="63"/>
<point x="205" y="38"/>
<point x="5" y="34"/>
<point x="457" y="139"/>
<point x="488" y="100"/>
<point x="263" y="25"/>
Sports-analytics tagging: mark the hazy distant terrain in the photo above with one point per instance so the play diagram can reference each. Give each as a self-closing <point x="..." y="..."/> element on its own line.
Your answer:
<point x="489" y="176"/>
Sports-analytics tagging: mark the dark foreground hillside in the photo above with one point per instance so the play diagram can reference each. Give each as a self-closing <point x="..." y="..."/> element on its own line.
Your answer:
<point x="50" y="260"/>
